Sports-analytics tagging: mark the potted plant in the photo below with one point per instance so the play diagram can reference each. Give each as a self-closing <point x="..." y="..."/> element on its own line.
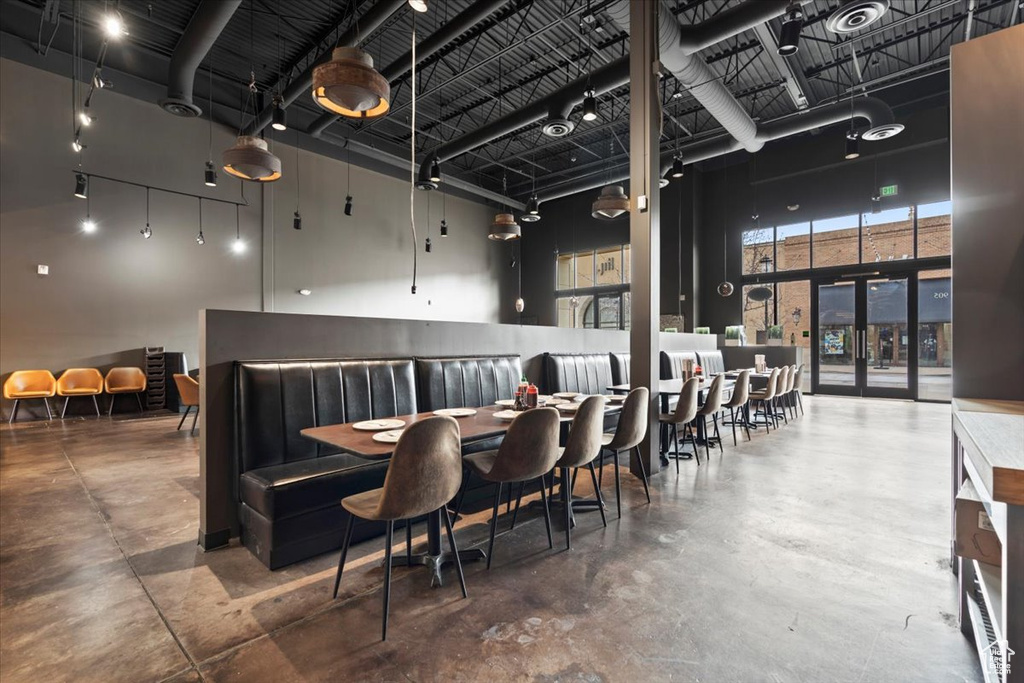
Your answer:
<point x="775" y="335"/>
<point x="702" y="330"/>
<point x="733" y="335"/>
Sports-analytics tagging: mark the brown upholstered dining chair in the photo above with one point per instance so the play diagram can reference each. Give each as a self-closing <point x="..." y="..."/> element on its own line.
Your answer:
<point x="425" y="472"/>
<point x="124" y="381"/>
<point x="75" y="382"/>
<point x="24" y="385"/>
<point x="582" y="446"/>
<point x="712" y="406"/>
<point x="528" y="452"/>
<point x="188" y="393"/>
<point x="738" y="402"/>
<point x="629" y="433"/>
<point x="684" y="414"/>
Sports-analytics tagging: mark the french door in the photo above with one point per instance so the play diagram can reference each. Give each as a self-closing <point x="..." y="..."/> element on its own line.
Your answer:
<point x="864" y="340"/>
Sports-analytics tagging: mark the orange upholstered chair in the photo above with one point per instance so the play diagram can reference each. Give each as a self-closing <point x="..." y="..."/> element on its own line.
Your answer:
<point x="80" y="382"/>
<point x="28" y="384"/>
<point x="124" y="381"/>
<point x="188" y="392"/>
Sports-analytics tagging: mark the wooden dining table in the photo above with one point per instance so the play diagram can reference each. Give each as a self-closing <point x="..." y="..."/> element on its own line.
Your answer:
<point x="482" y="425"/>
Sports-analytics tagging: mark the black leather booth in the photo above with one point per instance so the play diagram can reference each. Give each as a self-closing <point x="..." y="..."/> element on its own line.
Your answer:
<point x="586" y="373"/>
<point x="711" y="362"/>
<point x="290" y="486"/>
<point x="672" y="363"/>
<point x="620" y="367"/>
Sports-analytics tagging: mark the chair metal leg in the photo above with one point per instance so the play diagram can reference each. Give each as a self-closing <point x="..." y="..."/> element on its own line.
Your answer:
<point x="462" y="491"/>
<point x="675" y="441"/>
<point x="387" y="578"/>
<point x="732" y="423"/>
<point x="138" y="399"/>
<point x="714" y="419"/>
<point x="707" y="437"/>
<point x="182" y="421"/>
<point x="195" y="418"/>
<point x="344" y="551"/>
<point x="547" y="512"/>
<point x="745" y="410"/>
<point x="14" y="411"/>
<point x="643" y="474"/>
<point x="567" y="504"/>
<point x="688" y="434"/>
<point x="110" y="408"/>
<point x="96" y="405"/>
<point x="494" y="524"/>
<point x="408" y="542"/>
<point x="597" y="492"/>
<point x="508" y="500"/>
<point x="49" y="415"/>
<point x="618" y="485"/>
<point x="519" y="498"/>
<point x="455" y="550"/>
<point x="64" y="410"/>
<point x="800" y="400"/>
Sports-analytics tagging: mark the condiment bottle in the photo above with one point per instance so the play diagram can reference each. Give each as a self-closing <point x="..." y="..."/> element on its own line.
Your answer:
<point x="531" y="396"/>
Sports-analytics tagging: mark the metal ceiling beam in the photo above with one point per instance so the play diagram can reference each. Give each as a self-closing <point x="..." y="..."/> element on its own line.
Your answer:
<point x="796" y="84"/>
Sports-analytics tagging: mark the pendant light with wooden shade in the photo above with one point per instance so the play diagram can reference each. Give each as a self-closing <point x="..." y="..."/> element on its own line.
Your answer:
<point x="349" y="86"/>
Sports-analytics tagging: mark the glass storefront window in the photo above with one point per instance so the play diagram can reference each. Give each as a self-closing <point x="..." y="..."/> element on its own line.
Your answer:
<point x="888" y="235"/>
<point x="793" y="246"/>
<point x="758" y="311"/>
<point x="835" y="241"/>
<point x="934" y="335"/>
<point x="757" y="245"/>
<point x="609" y="266"/>
<point x="585" y="270"/>
<point x="934" y="229"/>
<point x="566" y="271"/>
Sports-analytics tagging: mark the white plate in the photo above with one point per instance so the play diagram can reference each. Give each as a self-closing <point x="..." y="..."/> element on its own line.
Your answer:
<point x="615" y="398"/>
<point x="545" y="398"/>
<point x="569" y="407"/>
<point x="391" y="436"/>
<point x="455" y="412"/>
<point x="566" y="394"/>
<point x="378" y="425"/>
<point x="553" y="402"/>
<point x="506" y="415"/>
<point x="505" y="402"/>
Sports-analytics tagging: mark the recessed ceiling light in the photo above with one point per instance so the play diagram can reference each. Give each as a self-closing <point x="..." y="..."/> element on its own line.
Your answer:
<point x="792" y="207"/>
<point x="305" y="292"/>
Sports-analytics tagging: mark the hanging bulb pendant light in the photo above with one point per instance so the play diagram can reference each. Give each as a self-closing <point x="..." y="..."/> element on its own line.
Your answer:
<point x="611" y="204"/>
<point x="250" y="159"/>
<point x="725" y="288"/>
<point x="349" y="86"/>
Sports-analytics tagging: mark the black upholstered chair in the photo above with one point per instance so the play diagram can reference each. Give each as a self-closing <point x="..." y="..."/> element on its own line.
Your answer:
<point x="289" y="486"/>
<point x="620" y="367"/>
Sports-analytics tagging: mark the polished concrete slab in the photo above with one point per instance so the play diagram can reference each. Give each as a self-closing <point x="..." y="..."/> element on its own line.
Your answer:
<point x="817" y="553"/>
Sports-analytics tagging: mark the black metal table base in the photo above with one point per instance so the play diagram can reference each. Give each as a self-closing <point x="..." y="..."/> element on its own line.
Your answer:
<point x="435" y="562"/>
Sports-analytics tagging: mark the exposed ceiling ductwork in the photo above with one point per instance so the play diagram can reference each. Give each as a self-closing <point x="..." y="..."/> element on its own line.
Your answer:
<point x="875" y="112"/>
<point x="473" y="15"/>
<point x="354" y="36"/>
<point x="206" y="25"/>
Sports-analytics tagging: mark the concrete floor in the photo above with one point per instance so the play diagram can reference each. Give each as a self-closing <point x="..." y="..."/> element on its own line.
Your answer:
<point x="818" y="553"/>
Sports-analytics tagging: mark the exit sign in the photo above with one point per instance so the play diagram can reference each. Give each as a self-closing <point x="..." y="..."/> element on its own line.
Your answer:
<point x="889" y="190"/>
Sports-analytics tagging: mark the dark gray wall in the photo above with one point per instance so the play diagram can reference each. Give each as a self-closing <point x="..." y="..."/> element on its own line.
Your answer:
<point x="110" y="293"/>
<point x="229" y="336"/>
<point x="988" y="216"/>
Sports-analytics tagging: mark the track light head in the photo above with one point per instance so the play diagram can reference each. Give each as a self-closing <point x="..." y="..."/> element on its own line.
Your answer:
<point x="210" y="176"/>
<point x="113" y="25"/>
<point x="789" y="38"/>
<point x="297" y="221"/>
<point x="81" y="186"/>
<point x="348" y="205"/>
<point x="426" y="245"/>
<point x="590" y="106"/>
<point x="677" y="167"/>
<point x="435" y="171"/>
<point x="77" y="145"/>
<point x="444" y="228"/>
<point x="280" y="118"/>
<point x="85" y="118"/>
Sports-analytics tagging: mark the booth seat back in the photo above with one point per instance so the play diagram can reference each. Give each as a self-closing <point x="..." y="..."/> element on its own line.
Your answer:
<point x="620" y="367"/>
<point x="466" y="382"/>
<point x="672" y="363"/>
<point x="587" y="373"/>
<point x="711" y="362"/>
<point x="277" y="399"/>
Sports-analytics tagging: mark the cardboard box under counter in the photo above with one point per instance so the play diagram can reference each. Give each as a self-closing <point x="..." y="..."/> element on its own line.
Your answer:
<point x="976" y="538"/>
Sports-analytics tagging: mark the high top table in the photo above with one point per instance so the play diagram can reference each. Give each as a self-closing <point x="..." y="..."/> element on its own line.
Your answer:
<point x="483" y="425"/>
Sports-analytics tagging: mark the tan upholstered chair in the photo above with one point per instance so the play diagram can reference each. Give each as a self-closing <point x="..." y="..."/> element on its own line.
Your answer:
<point x="582" y="446"/>
<point x="781" y="389"/>
<point x="683" y="415"/>
<point x="712" y="406"/>
<point x="80" y="382"/>
<point x="738" y="402"/>
<point x="798" y="389"/>
<point x="528" y="452"/>
<point x="629" y="433"/>
<point x="124" y="381"/>
<point x="24" y="385"/>
<point x="425" y="472"/>
<point x="188" y="393"/>
<point x="765" y="397"/>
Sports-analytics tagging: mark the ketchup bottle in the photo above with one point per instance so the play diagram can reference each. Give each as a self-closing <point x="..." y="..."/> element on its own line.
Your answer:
<point x="531" y="396"/>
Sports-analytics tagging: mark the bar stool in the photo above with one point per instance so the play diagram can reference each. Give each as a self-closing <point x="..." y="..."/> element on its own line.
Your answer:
<point x="764" y="397"/>
<point x="528" y="452"/>
<point x="581" y="448"/>
<point x="424" y="474"/>
<point x="629" y="433"/>
<point x="684" y="414"/>
<point x="80" y="382"/>
<point x="24" y="385"/>
<point x="738" y="400"/>
<point x="712" y="406"/>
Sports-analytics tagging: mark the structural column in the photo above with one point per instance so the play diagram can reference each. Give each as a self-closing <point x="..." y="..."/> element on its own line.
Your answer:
<point x="644" y="224"/>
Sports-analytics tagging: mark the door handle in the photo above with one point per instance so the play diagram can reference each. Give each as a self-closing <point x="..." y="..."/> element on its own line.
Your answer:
<point x="864" y="344"/>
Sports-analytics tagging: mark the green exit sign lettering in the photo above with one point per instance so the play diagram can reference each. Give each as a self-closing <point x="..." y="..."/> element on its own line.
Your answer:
<point x="890" y="190"/>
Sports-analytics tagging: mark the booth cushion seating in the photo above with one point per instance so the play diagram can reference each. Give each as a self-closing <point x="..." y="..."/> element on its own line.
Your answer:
<point x="290" y="486"/>
<point x="586" y="373"/>
<point x="672" y="363"/>
<point x="620" y="367"/>
<point x="711" y="362"/>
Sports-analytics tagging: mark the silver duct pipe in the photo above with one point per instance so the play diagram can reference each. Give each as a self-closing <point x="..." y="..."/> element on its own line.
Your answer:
<point x="679" y="45"/>
<point x="206" y="25"/>
<point x="876" y="112"/>
<point x="555" y="107"/>
<point x="303" y="83"/>
<point x="473" y="15"/>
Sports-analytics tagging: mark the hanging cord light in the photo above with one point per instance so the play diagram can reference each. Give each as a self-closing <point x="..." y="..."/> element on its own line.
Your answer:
<point x="200" y="240"/>
<point x="297" y="219"/>
<point x="876" y="197"/>
<point x="88" y="224"/>
<point x="520" y="304"/>
<point x="238" y="246"/>
<point x="589" y="99"/>
<point x="348" y="179"/>
<point x="726" y="288"/>
<point x="210" y="174"/>
<point x="412" y="159"/>
<point x="852" y="141"/>
<point x="426" y="244"/>
<point x="280" y="115"/>
<point x="145" y="231"/>
<point x="444" y="213"/>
